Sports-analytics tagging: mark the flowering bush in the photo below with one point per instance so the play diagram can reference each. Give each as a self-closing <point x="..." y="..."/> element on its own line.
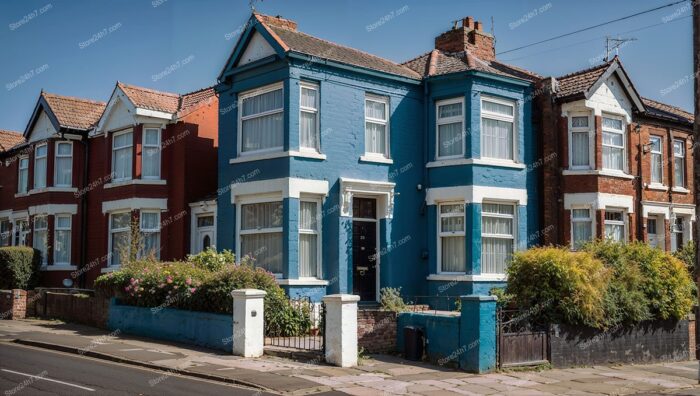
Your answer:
<point x="212" y="260"/>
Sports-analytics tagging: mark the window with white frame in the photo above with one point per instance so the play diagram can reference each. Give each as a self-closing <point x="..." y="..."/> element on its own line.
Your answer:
<point x="119" y="238"/>
<point x="5" y="232"/>
<point x="581" y="226"/>
<point x="40" y="166"/>
<point x="452" y="245"/>
<point x="40" y="240"/>
<point x="376" y="126"/>
<point x="615" y="225"/>
<point x="261" y="120"/>
<point x="122" y="152"/>
<point x="678" y="163"/>
<point x="498" y="129"/>
<point x="309" y="246"/>
<point x="450" y="124"/>
<point x="308" y="117"/>
<point x="23" y="176"/>
<point x="64" y="165"/>
<point x="150" y="232"/>
<point x="580" y="142"/>
<point x="62" y="240"/>
<point x="613" y="144"/>
<point x="150" y="168"/>
<point x="657" y="160"/>
<point x="261" y="234"/>
<point x="497" y="236"/>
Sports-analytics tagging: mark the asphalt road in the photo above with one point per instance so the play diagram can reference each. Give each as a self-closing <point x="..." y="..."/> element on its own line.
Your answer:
<point x="31" y="371"/>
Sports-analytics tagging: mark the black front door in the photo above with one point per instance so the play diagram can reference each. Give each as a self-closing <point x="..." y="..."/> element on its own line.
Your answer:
<point x="364" y="249"/>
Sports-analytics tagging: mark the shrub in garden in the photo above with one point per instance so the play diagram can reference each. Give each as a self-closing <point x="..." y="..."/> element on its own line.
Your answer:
<point x="19" y="267"/>
<point x="687" y="255"/>
<point x="212" y="260"/>
<point x="391" y="300"/>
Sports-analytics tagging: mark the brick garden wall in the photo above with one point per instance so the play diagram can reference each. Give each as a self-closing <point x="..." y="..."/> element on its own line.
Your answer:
<point x="13" y="304"/>
<point x="376" y="330"/>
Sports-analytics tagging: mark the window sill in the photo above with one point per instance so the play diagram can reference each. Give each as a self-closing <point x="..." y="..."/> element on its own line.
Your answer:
<point x="152" y="182"/>
<point x="307" y="154"/>
<point x="277" y="154"/>
<point x="58" y="267"/>
<point x="681" y="190"/>
<point x="107" y="270"/>
<point x="496" y="162"/>
<point x="573" y="172"/>
<point x="20" y="195"/>
<point x="376" y="159"/>
<point x="52" y="189"/>
<point x="657" y="186"/>
<point x="468" y="278"/>
<point x="474" y="161"/>
<point x="302" y="282"/>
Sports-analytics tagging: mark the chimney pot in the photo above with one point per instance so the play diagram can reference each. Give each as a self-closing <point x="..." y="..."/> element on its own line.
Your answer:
<point x="479" y="26"/>
<point x="468" y="23"/>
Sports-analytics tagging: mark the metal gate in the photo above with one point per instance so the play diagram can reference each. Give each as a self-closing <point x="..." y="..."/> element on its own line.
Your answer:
<point x="520" y="343"/>
<point x="302" y="326"/>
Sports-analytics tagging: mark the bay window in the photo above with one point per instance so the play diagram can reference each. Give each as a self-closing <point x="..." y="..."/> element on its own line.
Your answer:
<point x="260" y="226"/>
<point x="5" y="232"/>
<point x="64" y="165"/>
<point x="497" y="237"/>
<point x="657" y="160"/>
<point x="309" y="246"/>
<point x="40" y="166"/>
<point x="450" y="124"/>
<point x="62" y="240"/>
<point x="376" y="126"/>
<point x="678" y="163"/>
<point x="308" y="117"/>
<point x="453" y="255"/>
<point x="150" y="232"/>
<point x="580" y="142"/>
<point x="613" y="144"/>
<point x="151" y="154"/>
<point x="615" y="225"/>
<point x="261" y="120"/>
<point x="40" y="240"/>
<point x="119" y="238"/>
<point x="23" y="176"/>
<point x="581" y="227"/>
<point x="498" y="129"/>
<point x="122" y="155"/>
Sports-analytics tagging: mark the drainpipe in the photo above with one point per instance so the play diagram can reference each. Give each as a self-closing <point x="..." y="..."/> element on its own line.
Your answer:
<point x="83" y="213"/>
<point x="640" y="184"/>
<point x="426" y="111"/>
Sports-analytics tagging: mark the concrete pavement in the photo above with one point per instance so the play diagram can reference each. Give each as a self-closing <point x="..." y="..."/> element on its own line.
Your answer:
<point x="377" y="375"/>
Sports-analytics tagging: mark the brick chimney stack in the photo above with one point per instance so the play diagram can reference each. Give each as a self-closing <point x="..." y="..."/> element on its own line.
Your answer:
<point x="468" y="37"/>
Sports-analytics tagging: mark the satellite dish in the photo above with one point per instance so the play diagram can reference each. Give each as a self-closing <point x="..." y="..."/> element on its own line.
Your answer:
<point x="67" y="282"/>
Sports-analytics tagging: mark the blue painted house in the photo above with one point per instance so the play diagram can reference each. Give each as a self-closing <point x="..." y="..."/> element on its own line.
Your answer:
<point x="342" y="172"/>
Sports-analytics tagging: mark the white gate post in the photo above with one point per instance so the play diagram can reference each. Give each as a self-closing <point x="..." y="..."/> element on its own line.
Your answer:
<point x="248" y="322"/>
<point x="341" y="329"/>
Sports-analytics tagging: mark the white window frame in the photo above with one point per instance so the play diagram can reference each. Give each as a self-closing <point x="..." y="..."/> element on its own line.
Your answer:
<point x="623" y="223"/>
<point x="384" y="100"/>
<point x="56" y="229"/>
<point x="441" y="234"/>
<point x="37" y="157"/>
<point x="7" y="234"/>
<point x="622" y="132"/>
<point x="144" y="231"/>
<point x="587" y="130"/>
<point x="449" y="120"/>
<point x="249" y="94"/>
<point x="110" y="231"/>
<point x="500" y="117"/>
<point x="675" y="157"/>
<point x="45" y="254"/>
<point x="23" y="189"/>
<point x="318" y="232"/>
<point x="239" y="216"/>
<point x="513" y="237"/>
<point x="55" y="164"/>
<point x="131" y="147"/>
<point x="591" y="218"/>
<point x="653" y="153"/>
<point x="159" y="146"/>
<point x="316" y="111"/>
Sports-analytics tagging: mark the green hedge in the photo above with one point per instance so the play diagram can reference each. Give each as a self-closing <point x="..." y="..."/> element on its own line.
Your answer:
<point x="19" y="267"/>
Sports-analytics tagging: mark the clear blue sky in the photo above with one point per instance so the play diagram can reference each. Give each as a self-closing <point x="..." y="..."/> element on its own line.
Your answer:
<point x="66" y="46"/>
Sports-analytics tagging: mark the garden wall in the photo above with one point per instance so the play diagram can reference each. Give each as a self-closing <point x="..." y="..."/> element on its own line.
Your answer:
<point x="13" y="304"/>
<point x="376" y="330"/>
<point x="441" y="332"/>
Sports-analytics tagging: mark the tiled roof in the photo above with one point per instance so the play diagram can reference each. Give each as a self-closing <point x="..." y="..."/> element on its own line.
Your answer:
<point x="294" y="41"/>
<point x="9" y="139"/>
<point x="667" y="112"/>
<point x="151" y="99"/>
<point x="437" y="62"/>
<point x="191" y="100"/>
<point x="579" y="82"/>
<point x="74" y="113"/>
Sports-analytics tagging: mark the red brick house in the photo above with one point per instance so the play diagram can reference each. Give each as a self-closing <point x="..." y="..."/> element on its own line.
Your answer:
<point x="617" y="165"/>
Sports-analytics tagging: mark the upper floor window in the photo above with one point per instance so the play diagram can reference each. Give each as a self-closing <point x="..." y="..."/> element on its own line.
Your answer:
<point x="62" y="240"/>
<point x="261" y="120"/>
<point x="615" y="225"/>
<point x="40" y="166"/>
<point x="122" y="153"/>
<point x="64" y="164"/>
<point x="23" y="175"/>
<point x="150" y="230"/>
<point x="261" y="234"/>
<point x="40" y="241"/>
<point x="657" y="160"/>
<point x="309" y="246"/>
<point x="497" y="237"/>
<point x="613" y="144"/>
<point x="151" y="154"/>
<point x="377" y="126"/>
<point x="498" y="129"/>
<point x="580" y="142"/>
<point x="308" y="117"/>
<point x="450" y="124"/>
<point x="678" y="163"/>
<point x="452" y="245"/>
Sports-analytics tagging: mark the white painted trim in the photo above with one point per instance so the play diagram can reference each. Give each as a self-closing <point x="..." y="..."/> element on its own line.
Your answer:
<point x="239" y="118"/>
<point x="287" y="187"/>
<point x="302" y="282"/>
<point x="51" y="189"/>
<point x="276" y="154"/>
<point x="51" y="209"/>
<point x="681" y="190"/>
<point x="657" y="186"/>
<point x="591" y="138"/>
<point x="5" y="214"/>
<point x="515" y="118"/>
<point x="376" y="159"/>
<point x="386" y="100"/>
<point x="656" y="209"/>
<point x="684" y="210"/>
<point x="151" y="182"/>
<point x="135" y="204"/>
<point x="476" y="161"/>
<point x="19" y="215"/>
<point x="198" y="209"/>
<point x="109" y="269"/>
<point x="599" y="201"/>
<point x="451" y="120"/>
<point x="55" y="162"/>
<point x="469" y="278"/>
<point x="154" y="114"/>
<point x="307" y="154"/>
<point x="381" y="190"/>
<point x="604" y="172"/>
<point x="58" y="267"/>
<point x="476" y="194"/>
